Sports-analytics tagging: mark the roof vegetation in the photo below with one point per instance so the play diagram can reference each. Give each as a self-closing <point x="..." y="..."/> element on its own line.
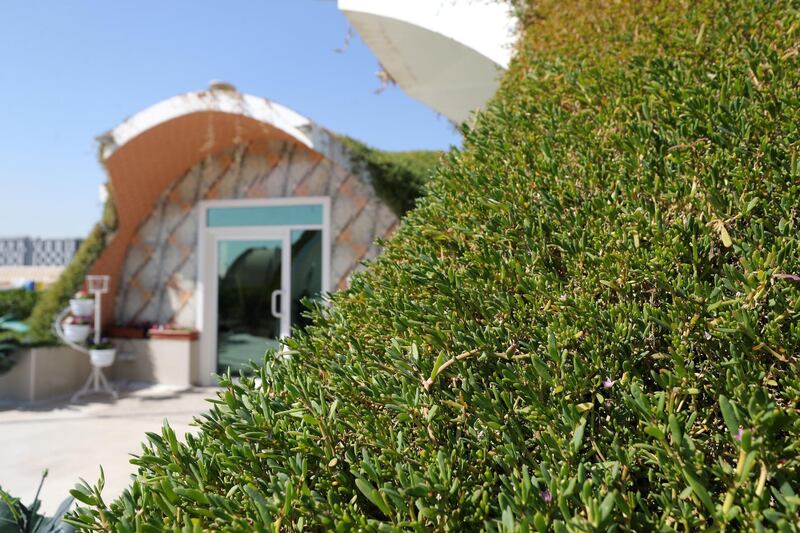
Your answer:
<point x="398" y="177"/>
<point x="590" y="322"/>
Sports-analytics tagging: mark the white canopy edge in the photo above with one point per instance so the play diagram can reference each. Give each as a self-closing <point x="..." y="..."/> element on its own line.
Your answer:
<point x="486" y="26"/>
<point x="448" y="54"/>
<point x="213" y="100"/>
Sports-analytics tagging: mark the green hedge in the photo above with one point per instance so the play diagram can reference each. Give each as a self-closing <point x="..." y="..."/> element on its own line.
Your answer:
<point x="17" y="303"/>
<point x="590" y="322"/>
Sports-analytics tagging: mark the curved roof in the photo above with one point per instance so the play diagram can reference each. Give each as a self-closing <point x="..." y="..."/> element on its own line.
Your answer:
<point x="151" y="149"/>
<point x="449" y="54"/>
<point x="220" y="98"/>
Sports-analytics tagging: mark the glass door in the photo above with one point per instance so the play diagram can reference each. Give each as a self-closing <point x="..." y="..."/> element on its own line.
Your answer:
<point x="252" y="308"/>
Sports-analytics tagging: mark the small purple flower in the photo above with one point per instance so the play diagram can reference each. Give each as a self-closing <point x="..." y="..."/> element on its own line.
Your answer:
<point x="739" y="434"/>
<point x="608" y="383"/>
<point x="546" y="496"/>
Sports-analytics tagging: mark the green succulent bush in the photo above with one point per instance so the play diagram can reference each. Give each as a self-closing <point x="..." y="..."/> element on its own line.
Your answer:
<point x="589" y="323"/>
<point x="15" y="517"/>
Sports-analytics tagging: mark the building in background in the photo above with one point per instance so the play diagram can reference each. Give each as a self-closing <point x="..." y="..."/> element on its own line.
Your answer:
<point x="448" y="54"/>
<point x="26" y="260"/>
<point x="231" y="210"/>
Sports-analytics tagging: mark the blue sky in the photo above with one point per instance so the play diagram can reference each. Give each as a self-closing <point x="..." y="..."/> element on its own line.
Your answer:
<point x="70" y="71"/>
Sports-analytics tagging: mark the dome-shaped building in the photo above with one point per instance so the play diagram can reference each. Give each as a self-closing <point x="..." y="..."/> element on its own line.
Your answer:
<point x="231" y="209"/>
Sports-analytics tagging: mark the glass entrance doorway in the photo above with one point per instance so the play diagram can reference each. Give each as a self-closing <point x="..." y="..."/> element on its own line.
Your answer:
<point x="261" y="263"/>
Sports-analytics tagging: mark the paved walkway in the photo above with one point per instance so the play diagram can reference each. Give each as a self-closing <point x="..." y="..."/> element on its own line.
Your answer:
<point x="71" y="441"/>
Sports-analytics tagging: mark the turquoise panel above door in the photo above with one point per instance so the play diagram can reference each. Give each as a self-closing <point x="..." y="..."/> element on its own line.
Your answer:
<point x="275" y="215"/>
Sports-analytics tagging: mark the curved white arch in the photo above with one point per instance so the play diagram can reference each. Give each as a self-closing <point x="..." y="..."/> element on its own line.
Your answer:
<point x="213" y="100"/>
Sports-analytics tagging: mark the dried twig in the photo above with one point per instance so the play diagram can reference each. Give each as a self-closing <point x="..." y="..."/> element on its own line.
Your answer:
<point x="426" y="383"/>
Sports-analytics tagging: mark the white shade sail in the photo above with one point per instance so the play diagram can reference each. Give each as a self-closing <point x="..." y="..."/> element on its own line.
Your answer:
<point x="449" y="54"/>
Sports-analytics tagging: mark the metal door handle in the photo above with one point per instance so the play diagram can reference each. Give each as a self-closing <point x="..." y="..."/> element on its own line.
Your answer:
<point x="274" y="303"/>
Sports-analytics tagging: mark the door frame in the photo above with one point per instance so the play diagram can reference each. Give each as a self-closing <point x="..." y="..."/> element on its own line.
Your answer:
<point x="206" y="292"/>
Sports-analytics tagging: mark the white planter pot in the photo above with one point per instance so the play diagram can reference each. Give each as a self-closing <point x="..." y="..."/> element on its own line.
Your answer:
<point x="102" y="358"/>
<point x="81" y="307"/>
<point x="76" y="332"/>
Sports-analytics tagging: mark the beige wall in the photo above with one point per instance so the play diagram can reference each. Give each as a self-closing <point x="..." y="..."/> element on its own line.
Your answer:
<point x="58" y="372"/>
<point x="163" y="361"/>
<point x="43" y="374"/>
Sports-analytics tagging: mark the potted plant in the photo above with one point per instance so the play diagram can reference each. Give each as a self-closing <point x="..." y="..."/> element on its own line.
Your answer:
<point x="76" y="328"/>
<point x="82" y="304"/>
<point x="102" y="354"/>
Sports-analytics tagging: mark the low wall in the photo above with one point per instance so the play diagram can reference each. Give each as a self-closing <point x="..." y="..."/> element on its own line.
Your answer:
<point x="164" y="361"/>
<point x="55" y="372"/>
<point x="43" y="374"/>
